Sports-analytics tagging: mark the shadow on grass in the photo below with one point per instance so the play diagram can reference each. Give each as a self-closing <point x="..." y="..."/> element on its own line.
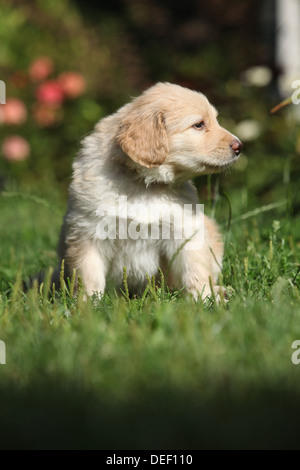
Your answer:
<point x="57" y="416"/>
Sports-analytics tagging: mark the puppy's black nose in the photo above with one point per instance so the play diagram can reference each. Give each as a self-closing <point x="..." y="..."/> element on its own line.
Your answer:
<point x="236" y="146"/>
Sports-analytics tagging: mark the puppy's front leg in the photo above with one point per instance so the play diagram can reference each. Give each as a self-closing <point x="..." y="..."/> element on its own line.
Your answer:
<point x="193" y="269"/>
<point x="89" y="265"/>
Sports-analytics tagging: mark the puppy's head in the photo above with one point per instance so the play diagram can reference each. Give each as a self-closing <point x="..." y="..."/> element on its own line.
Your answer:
<point x="174" y="127"/>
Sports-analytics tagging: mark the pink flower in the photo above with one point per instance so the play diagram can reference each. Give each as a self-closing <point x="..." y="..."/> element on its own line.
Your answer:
<point x="15" y="148"/>
<point x="13" y="112"/>
<point x="73" y="84"/>
<point x="46" y="115"/>
<point x="50" y="92"/>
<point x="41" y="68"/>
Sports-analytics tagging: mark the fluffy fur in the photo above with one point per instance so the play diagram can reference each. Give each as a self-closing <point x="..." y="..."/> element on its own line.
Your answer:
<point x="145" y="154"/>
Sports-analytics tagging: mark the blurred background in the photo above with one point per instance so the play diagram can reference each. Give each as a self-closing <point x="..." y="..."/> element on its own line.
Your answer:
<point x="68" y="64"/>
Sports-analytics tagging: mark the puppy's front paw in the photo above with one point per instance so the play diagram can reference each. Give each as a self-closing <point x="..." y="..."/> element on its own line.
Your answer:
<point x="217" y="293"/>
<point x="220" y="294"/>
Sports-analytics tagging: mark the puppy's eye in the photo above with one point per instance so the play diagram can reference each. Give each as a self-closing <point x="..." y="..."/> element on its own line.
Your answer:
<point x="199" y="125"/>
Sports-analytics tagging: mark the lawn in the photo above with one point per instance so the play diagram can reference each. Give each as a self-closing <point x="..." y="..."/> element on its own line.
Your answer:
<point x="160" y="371"/>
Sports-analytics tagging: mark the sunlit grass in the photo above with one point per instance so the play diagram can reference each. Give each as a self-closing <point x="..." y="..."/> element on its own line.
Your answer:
<point x="157" y="370"/>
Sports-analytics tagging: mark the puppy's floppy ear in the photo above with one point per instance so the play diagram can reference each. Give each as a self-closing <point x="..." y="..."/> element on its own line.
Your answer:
<point x="144" y="138"/>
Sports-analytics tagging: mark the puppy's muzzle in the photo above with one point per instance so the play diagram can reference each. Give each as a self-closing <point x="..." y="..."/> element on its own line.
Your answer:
<point x="236" y="146"/>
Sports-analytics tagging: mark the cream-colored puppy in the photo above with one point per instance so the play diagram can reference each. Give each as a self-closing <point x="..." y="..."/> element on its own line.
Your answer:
<point x="132" y="203"/>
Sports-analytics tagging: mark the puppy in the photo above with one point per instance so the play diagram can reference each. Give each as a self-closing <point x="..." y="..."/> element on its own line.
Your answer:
<point x="132" y="203"/>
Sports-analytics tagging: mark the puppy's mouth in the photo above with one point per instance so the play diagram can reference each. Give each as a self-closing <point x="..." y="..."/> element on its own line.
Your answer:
<point x="223" y="159"/>
<point x="218" y="166"/>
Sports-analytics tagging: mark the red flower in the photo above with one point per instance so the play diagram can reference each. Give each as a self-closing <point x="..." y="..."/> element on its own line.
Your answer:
<point x="73" y="84"/>
<point x="15" y="148"/>
<point x="50" y="92"/>
<point x="41" y="68"/>
<point x="13" y="112"/>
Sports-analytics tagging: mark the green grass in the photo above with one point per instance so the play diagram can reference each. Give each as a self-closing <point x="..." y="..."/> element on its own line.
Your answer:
<point x="158" y="372"/>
